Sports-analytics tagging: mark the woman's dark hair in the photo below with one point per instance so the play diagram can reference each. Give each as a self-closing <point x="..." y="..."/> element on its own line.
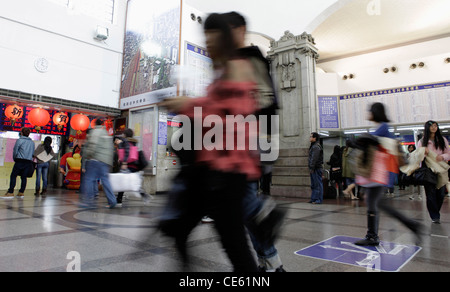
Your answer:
<point x="413" y="146"/>
<point x="128" y="133"/>
<point x="337" y="154"/>
<point x="439" y="142"/>
<point x="378" y="113"/>
<point x="337" y="150"/>
<point x="235" y="19"/>
<point x="48" y="144"/>
<point x="219" y="22"/>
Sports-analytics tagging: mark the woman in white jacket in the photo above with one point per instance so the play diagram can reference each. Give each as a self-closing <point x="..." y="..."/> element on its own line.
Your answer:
<point x="435" y="142"/>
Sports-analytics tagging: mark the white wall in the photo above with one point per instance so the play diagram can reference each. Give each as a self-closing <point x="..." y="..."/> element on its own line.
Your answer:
<point x="368" y="69"/>
<point x="80" y="68"/>
<point x="191" y="31"/>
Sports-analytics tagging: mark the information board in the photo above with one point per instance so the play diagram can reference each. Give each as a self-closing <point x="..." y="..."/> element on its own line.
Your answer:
<point x="404" y="105"/>
<point x="328" y="112"/>
<point x="199" y="67"/>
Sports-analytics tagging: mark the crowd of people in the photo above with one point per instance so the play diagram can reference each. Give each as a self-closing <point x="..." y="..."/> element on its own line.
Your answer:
<point x="213" y="181"/>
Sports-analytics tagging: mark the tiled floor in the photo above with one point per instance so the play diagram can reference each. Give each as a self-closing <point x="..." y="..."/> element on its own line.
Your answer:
<point x="53" y="234"/>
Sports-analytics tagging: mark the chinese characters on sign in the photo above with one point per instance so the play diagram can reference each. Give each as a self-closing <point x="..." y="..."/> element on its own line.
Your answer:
<point x="328" y="112"/>
<point x="50" y="129"/>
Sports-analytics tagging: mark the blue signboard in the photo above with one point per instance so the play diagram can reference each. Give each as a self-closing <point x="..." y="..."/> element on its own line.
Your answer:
<point x="387" y="257"/>
<point x="328" y="112"/>
<point x="162" y="133"/>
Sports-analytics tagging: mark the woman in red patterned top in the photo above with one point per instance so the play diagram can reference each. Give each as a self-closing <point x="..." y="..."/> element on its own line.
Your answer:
<point x="226" y="153"/>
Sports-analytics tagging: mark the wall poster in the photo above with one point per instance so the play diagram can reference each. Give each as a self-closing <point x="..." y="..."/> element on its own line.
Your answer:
<point x="151" y="49"/>
<point x="199" y="71"/>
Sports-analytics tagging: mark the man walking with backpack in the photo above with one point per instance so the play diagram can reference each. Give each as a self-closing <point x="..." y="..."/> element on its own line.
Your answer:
<point x="99" y="153"/>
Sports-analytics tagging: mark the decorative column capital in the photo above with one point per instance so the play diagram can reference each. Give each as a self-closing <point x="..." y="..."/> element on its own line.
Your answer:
<point x="303" y="43"/>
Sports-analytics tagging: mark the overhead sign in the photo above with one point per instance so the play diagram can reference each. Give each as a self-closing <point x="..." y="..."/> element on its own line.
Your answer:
<point x="387" y="257"/>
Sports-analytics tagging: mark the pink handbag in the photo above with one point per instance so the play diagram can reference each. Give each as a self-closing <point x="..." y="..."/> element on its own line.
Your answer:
<point x="133" y="154"/>
<point x="379" y="174"/>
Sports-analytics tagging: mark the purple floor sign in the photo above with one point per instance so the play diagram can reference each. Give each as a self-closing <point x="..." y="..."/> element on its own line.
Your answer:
<point x="387" y="257"/>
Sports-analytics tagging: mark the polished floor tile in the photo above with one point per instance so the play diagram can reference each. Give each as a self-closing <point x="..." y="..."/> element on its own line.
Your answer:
<point x="53" y="234"/>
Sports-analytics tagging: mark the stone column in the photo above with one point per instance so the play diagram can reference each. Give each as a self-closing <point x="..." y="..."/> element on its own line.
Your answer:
<point x="293" y="65"/>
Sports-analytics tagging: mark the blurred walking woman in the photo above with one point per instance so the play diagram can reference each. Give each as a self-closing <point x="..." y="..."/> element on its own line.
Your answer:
<point x="434" y="142"/>
<point x="43" y="153"/>
<point x="375" y="187"/>
<point x="217" y="181"/>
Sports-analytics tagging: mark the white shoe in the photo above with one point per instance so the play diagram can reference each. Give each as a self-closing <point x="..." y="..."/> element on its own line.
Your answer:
<point x="7" y="196"/>
<point x="206" y="219"/>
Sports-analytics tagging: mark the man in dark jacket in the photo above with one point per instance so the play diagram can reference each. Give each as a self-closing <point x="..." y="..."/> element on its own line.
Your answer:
<point x="23" y="157"/>
<point x="315" y="165"/>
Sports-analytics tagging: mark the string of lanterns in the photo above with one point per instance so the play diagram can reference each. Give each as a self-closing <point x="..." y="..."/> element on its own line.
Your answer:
<point x="39" y="118"/>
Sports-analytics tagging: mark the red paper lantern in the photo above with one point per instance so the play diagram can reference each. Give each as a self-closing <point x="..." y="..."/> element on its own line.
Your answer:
<point x="60" y="119"/>
<point x="38" y="117"/>
<point x="79" y="123"/>
<point x="13" y="113"/>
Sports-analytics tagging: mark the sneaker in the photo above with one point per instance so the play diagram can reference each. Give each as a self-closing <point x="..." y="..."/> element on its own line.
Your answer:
<point x="207" y="219"/>
<point x="280" y="269"/>
<point x="368" y="241"/>
<point x="20" y="195"/>
<point x="7" y="196"/>
<point x="146" y="198"/>
<point x="436" y="221"/>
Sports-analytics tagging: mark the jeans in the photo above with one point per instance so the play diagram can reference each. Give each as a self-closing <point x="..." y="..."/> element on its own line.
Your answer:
<point x="21" y="167"/>
<point x="435" y="199"/>
<point x="316" y="186"/>
<point x="97" y="170"/>
<point x="252" y="205"/>
<point x="42" y="170"/>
